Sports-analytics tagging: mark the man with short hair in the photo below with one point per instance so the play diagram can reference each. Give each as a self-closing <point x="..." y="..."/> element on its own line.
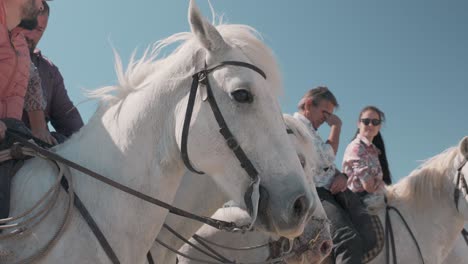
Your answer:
<point x="16" y="66"/>
<point x="60" y="110"/>
<point x="315" y="108"/>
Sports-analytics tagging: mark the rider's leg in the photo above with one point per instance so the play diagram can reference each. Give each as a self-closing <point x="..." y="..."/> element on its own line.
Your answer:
<point x="347" y="244"/>
<point x="5" y="181"/>
<point x="362" y="221"/>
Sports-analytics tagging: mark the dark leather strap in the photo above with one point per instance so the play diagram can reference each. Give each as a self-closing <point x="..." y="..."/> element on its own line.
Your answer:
<point x="201" y="77"/>
<point x="92" y="225"/>
<point x="465" y="235"/>
<point x="186" y="127"/>
<point x="149" y="258"/>
<point x="97" y="232"/>
<point x="216" y="256"/>
<point x="459" y="179"/>
<point x="223" y="225"/>
<point x="389" y="237"/>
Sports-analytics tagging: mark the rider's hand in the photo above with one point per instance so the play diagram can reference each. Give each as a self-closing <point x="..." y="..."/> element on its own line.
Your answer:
<point x="339" y="184"/>
<point x="44" y="135"/>
<point x="3" y="129"/>
<point x="333" y="120"/>
<point x="370" y="185"/>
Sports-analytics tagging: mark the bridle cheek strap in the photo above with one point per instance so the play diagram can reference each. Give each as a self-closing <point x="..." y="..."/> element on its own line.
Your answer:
<point x="201" y="77"/>
<point x="460" y="184"/>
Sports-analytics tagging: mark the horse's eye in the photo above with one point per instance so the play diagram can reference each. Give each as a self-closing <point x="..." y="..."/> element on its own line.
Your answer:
<point x="242" y="96"/>
<point x="326" y="168"/>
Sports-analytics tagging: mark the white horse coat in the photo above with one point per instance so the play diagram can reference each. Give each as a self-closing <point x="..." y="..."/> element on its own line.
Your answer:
<point x="134" y="139"/>
<point x="317" y="251"/>
<point x="425" y="198"/>
<point x="459" y="252"/>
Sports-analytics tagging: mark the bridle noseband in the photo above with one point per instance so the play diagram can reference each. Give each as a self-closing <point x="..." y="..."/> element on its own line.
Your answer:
<point x="460" y="184"/>
<point x="201" y="77"/>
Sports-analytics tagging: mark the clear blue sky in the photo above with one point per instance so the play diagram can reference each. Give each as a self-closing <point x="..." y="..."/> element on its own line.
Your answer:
<point x="410" y="58"/>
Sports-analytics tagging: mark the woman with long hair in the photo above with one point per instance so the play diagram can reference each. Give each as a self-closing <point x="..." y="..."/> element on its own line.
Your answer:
<point x="365" y="160"/>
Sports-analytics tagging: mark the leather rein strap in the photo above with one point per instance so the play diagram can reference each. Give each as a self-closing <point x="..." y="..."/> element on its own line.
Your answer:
<point x="219" y="224"/>
<point x="389" y="237"/>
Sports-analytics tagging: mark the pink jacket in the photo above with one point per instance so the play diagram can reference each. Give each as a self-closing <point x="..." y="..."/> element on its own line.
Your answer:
<point x="14" y="69"/>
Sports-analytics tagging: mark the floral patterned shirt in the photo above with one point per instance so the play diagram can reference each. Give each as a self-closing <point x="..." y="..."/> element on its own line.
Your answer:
<point x="326" y="154"/>
<point x="361" y="163"/>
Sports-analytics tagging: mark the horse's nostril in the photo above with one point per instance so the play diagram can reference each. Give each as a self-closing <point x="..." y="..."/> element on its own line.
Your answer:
<point x="325" y="248"/>
<point x="300" y="207"/>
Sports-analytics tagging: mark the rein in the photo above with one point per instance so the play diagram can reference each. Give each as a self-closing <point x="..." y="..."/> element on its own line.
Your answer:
<point x="222" y="225"/>
<point x="218" y="259"/>
<point x="465" y="235"/>
<point x="389" y="238"/>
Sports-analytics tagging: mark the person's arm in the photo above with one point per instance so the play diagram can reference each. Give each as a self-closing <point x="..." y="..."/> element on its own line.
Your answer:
<point x="335" y="129"/>
<point x="340" y="182"/>
<point x="34" y="104"/>
<point x="64" y="116"/>
<point x="39" y="126"/>
<point x="356" y="164"/>
<point x="3" y="129"/>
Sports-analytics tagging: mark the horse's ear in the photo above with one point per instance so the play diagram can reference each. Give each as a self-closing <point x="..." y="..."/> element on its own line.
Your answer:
<point x="464" y="147"/>
<point x="205" y="32"/>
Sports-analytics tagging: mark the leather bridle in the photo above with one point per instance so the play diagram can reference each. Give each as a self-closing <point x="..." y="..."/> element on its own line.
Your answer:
<point x="460" y="184"/>
<point x="202" y="77"/>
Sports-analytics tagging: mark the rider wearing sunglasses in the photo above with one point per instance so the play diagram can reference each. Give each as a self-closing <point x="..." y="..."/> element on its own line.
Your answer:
<point x="366" y="165"/>
<point x="365" y="160"/>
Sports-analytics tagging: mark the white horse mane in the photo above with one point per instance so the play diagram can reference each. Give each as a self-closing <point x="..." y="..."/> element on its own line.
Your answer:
<point x="141" y="72"/>
<point x="426" y="184"/>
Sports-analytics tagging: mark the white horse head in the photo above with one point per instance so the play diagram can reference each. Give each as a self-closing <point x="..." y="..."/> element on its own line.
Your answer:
<point x="135" y="138"/>
<point x="248" y="104"/>
<point x="316" y="237"/>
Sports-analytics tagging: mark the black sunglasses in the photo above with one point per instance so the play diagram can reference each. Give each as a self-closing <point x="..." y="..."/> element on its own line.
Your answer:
<point x="368" y="121"/>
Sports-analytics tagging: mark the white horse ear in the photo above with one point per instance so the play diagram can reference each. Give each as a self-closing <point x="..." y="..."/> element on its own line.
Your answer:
<point x="464" y="147"/>
<point x="205" y="32"/>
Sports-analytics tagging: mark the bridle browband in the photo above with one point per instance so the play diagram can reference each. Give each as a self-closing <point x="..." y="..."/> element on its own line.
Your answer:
<point x="460" y="184"/>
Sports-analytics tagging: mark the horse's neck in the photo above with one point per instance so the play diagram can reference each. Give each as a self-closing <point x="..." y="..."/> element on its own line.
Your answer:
<point x="133" y="143"/>
<point x="435" y="229"/>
